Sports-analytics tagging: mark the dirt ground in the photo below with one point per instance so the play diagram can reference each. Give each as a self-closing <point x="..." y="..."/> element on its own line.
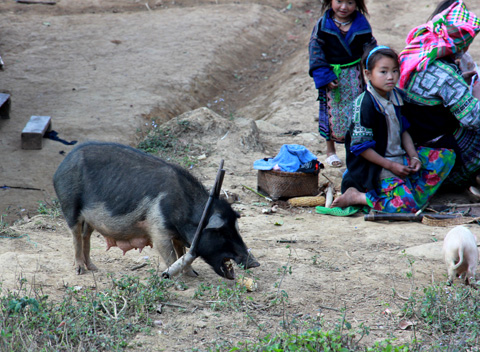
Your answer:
<point x="104" y="70"/>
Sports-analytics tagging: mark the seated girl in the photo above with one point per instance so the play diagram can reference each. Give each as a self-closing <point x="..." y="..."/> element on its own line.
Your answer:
<point x="384" y="169"/>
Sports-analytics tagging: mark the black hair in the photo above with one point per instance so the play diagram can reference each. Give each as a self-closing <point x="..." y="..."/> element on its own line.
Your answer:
<point x="377" y="55"/>
<point x="443" y="5"/>
<point x="327" y="4"/>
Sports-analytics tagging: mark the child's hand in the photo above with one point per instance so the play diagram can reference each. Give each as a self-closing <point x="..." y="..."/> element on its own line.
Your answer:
<point x="333" y="84"/>
<point x="476" y="90"/>
<point x="414" y="164"/>
<point x="400" y="170"/>
<point x="467" y="76"/>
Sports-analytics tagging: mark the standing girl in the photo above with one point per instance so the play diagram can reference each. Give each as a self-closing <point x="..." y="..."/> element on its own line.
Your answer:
<point x="336" y="46"/>
<point x="385" y="171"/>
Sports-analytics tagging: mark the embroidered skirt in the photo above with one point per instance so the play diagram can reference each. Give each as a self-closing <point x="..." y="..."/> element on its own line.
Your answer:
<point x="397" y="195"/>
<point x="336" y="106"/>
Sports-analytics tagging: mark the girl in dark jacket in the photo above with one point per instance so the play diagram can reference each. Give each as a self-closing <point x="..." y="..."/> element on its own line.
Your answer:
<point x="336" y="47"/>
<point x="385" y="170"/>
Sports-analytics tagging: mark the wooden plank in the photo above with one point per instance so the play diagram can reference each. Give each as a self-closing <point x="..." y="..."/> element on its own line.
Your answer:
<point x="29" y="2"/>
<point x="32" y="134"/>
<point x="4" y="106"/>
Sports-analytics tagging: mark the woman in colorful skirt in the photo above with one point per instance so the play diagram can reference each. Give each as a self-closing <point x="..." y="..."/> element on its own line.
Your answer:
<point x="336" y="47"/>
<point x="384" y="169"/>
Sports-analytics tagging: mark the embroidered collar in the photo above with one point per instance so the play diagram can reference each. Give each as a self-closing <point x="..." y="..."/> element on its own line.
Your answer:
<point x="359" y="26"/>
<point x="359" y="23"/>
<point x="393" y="97"/>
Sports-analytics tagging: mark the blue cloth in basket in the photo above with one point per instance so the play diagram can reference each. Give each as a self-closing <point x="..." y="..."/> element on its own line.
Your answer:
<point x="289" y="159"/>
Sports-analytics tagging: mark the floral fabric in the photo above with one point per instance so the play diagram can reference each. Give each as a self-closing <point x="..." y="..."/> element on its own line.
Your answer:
<point x="397" y="195"/>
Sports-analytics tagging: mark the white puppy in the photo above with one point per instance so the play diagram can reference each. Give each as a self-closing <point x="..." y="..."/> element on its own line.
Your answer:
<point x="461" y="254"/>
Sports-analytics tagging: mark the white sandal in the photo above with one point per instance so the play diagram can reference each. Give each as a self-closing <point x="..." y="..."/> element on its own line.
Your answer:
<point x="334" y="161"/>
<point x="474" y="193"/>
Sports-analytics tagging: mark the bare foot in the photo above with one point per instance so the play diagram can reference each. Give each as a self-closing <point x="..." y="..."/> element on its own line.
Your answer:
<point x="351" y="197"/>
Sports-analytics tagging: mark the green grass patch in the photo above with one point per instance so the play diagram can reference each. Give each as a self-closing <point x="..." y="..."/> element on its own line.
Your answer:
<point x="84" y="320"/>
<point x="166" y="144"/>
<point x="448" y="317"/>
<point x="342" y="338"/>
<point x="50" y="208"/>
<point x="222" y="297"/>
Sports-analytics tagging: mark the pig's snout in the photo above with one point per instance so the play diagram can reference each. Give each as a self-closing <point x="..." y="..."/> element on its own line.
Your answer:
<point x="251" y="262"/>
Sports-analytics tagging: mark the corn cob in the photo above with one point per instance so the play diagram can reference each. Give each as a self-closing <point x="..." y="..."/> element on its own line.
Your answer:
<point x="248" y="283"/>
<point x="306" y="201"/>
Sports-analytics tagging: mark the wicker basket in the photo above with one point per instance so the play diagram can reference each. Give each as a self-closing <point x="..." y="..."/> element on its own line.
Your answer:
<point x="279" y="184"/>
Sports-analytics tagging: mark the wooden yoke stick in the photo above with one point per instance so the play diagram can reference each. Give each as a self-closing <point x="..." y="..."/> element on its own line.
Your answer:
<point x="188" y="258"/>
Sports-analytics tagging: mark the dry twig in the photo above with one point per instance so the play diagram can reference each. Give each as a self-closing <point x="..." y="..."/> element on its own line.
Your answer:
<point x="115" y="313"/>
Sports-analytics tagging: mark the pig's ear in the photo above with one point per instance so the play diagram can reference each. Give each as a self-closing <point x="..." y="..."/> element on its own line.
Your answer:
<point x="215" y="222"/>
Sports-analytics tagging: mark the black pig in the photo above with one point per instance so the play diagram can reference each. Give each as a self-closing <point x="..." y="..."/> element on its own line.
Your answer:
<point x="135" y="200"/>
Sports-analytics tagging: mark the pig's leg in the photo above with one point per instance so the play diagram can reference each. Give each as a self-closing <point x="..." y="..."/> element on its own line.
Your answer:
<point x="451" y="273"/>
<point x="470" y="275"/>
<point x="163" y="242"/>
<point x="455" y="263"/>
<point x="180" y="250"/>
<point x="78" y="247"/>
<point x="168" y="247"/>
<point x="87" y="233"/>
<point x="449" y="281"/>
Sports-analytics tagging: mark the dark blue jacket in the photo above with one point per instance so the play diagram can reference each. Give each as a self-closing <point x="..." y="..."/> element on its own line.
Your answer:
<point x="363" y="174"/>
<point x="328" y="46"/>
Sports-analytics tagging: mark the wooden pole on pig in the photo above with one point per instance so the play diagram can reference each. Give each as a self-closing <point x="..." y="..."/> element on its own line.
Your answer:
<point x="187" y="259"/>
